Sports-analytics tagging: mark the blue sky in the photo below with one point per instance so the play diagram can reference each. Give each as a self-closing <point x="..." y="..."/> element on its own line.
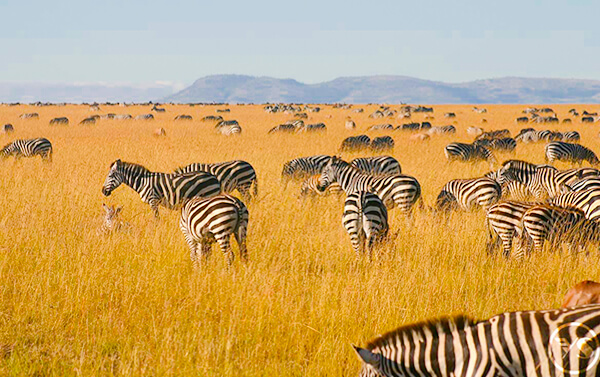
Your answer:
<point x="311" y="41"/>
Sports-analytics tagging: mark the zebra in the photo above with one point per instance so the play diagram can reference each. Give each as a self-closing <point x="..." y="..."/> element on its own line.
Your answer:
<point x="206" y="220"/>
<point x="571" y="136"/>
<point x="29" y="116"/>
<point x="233" y="175"/>
<point x="571" y="176"/>
<point x="350" y="124"/>
<point x="7" y="128"/>
<point x="587" y="201"/>
<point x="313" y="128"/>
<point x="379" y="127"/>
<point x="506" y="144"/>
<point x="474" y="131"/>
<point x="169" y="190"/>
<point x="212" y="118"/>
<point x="183" y="117"/>
<point x="28" y="148"/>
<point x="287" y="128"/>
<point x="157" y="109"/>
<point x="111" y="222"/>
<point x="310" y="187"/>
<point x="382" y="143"/>
<point x="59" y="120"/>
<point x="377" y="166"/>
<point x="586" y="184"/>
<point x="366" y="221"/>
<point x="468" y="194"/>
<point x="541" y="180"/>
<point x="558" y="224"/>
<point x="468" y="152"/>
<point x="496" y="134"/>
<point x="144" y="117"/>
<point x="555" y="342"/>
<point x="567" y="152"/>
<point x="442" y="130"/>
<point x="449" y="115"/>
<point x="122" y="117"/>
<point x="228" y="127"/>
<point x="303" y="167"/>
<point x="355" y="143"/>
<point x="504" y="219"/>
<point x="89" y="120"/>
<point x="396" y="190"/>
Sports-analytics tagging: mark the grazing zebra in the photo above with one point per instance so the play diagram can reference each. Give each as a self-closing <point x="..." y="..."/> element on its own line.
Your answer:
<point x="379" y="127"/>
<point x="583" y="293"/>
<point x="89" y="120"/>
<point x="233" y="175"/>
<point x="382" y="143"/>
<point x="506" y="144"/>
<point x="496" y="134"/>
<point x="122" y="117"/>
<point x="286" y="128"/>
<point x="7" y="128"/>
<point x="567" y="152"/>
<point x="59" y="120"/>
<point x="442" y="130"/>
<point x="557" y="225"/>
<point x="571" y="136"/>
<point x="111" y="222"/>
<point x="28" y="148"/>
<point x="310" y="187"/>
<point x="206" y="220"/>
<point x="397" y="190"/>
<point x="587" y="201"/>
<point x="522" y="120"/>
<point x="355" y="143"/>
<point x="468" y="152"/>
<point x="542" y="180"/>
<point x="366" y="221"/>
<point x="504" y="219"/>
<point x="303" y="167"/>
<point x="228" y="127"/>
<point x="144" y="117"/>
<point x="514" y="344"/>
<point x="157" y="109"/>
<point x="469" y="194"/>
<point x="183" y="117"/>
<point x="211" y="118"/>
<point x="168" y="190"/>
<point x="29" y="116"/>
<point x="377" y="166"/>
<point x="313" y="128"/>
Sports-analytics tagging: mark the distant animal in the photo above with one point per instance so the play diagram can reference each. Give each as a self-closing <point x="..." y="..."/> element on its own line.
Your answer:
<point x="419" y="137"/>
<point x="228" y="127"/>
<point x="382" y="144"/>
<point x="504" y="220"/>
<point x="60" y="120"/>
<point x="495" y="134"/>
<point x="303" y="167"/>
<point x="7" y="128"/>
<point x="355" y="143"/>
<point x="586" y="292"/>
<point x="211" y="118"/>
<point x="567" y="120"/>
<point x="223" y="110"/>
<point x="469" y="194"/>
<point x="378" y="127"/>
<point x="122" y="117"/>
<point x="159" y="132"/>
<point x="587" y="119"/>
<point x="468" y="153"/>
<point x="183" y="117"/>
<point x="449" y="115"/>
<point x="377" y="166"/>
<point x="350" y="125"/>
<point x="522" y="120"/>
<point x="442" y="130"/>
<point x="568" y="152"/>
<point x="89" y="120"/>
<point x="474" y="131"/>
<point x="29" y="116"/>
<point x="234" y="175"/>
<point x="144" y="117"/>
<point x="168" y="190"/>
<point x="316" y="127"/>
<point x="207" y="220"/>
<point x="365" y="220"/>
<point x="28" y="148"/>
<point x="284" y="128"/>
<point x="111" y="222"/>
<point x="157" y="109"/>
<point x="479" y="111"/>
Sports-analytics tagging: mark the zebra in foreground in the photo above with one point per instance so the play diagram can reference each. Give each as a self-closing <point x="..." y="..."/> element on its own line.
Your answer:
<point x="168" y="190"/>
<point x="504" y="220"/>
<point x="557" y="225"/>
<point x="469" y="194"/>
<point x="377" y="166"/>
<point x="468" y="153"/>
<point x="396" y="190"/>
<point x="233" y="175"/>
<point x="366" y="221"/>
<point x="303" y="167"/>
<point x="28" y="148"/>
<point x="568" y="152"/>
<point x="509" y="344"/>
<point x="206" y="220"/>
<point x="587" y="201"/>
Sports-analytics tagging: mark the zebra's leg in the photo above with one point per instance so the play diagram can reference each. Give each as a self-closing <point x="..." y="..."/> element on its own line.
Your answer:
<point x="507" y="246"/>
<point x="154" y="205"/>
<point x="245" y="192"/>
<point x="206" y="248"/>
<point x="240" y="237"/>
<point x="225" y="245"/>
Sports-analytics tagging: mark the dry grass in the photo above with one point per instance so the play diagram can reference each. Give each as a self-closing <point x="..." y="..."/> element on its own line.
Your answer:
<point x="74" y="303"/>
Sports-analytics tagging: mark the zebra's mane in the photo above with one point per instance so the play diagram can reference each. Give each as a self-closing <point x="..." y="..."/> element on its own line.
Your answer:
<point x="458" y="322"/>
<point x="133" y="166"/>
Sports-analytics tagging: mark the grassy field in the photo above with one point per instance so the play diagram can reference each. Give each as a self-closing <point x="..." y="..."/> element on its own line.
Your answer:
<point x="75" y="303"/>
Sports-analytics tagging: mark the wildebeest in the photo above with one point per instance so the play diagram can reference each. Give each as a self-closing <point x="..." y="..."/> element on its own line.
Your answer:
<point x="7" y="128"/>
<point x="59" y="120"/>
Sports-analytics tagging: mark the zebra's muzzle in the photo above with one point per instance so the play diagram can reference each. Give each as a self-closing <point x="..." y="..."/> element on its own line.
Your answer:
<point x="106" y="191"/>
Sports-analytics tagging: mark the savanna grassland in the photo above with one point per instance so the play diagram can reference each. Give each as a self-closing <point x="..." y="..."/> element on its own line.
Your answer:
<point x="76" y="303"/>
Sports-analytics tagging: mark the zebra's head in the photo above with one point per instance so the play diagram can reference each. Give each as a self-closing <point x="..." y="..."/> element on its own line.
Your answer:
<point x="445" y="202"/>
<point x="114" y="178"/>
<point x="7" y="150"/>
<point x="371" y="362"/>
<point x="329" y="173"/>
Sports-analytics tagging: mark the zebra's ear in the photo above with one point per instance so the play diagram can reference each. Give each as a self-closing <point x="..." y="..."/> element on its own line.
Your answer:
<point x="367" y="356"/>
<point x="118" y="209"/>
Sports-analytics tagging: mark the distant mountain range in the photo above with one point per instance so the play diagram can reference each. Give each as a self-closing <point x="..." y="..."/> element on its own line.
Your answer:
<point x="379" y="89"/>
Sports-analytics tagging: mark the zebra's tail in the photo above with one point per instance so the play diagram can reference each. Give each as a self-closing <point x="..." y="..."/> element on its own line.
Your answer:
<point x="255" y="188"/>
<point x="492" y="242"/>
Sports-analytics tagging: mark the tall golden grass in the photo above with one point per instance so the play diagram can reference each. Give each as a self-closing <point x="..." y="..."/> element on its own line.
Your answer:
<point x="75" y="303"/>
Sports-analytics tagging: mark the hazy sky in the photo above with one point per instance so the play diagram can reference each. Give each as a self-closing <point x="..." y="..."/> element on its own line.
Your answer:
<point x="311" y="41"/>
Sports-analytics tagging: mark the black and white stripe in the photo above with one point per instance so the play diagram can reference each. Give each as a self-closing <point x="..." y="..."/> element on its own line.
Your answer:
<point x="310" y="187"/>
<point x="377" y="166"/>
<point x="567" y="152"/>
<point x="397" y="190"/>
<point x="355" y="143"/>
<point x="469" y="194"/>
<point x="509" y="344"/>
<point x="303" y="167"/>
<point x="587" y="201"/>
<point x="382" y="144"/>
<point x="366" y="221"/>
<point x="233" y="175"/>
<point x="206" y="220"/>
<point x="541" y="180"/>
<point x="169" y="190"/>
<point x="468" y="153"/>
<point x="28" y="148"/>
<point x="505" y="220"/>
<point x="586" y="184"/>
